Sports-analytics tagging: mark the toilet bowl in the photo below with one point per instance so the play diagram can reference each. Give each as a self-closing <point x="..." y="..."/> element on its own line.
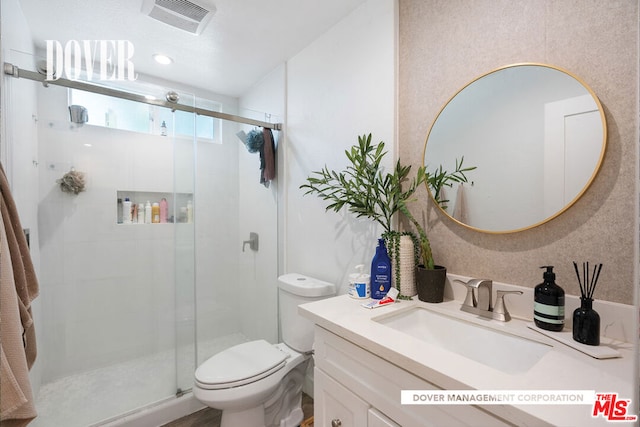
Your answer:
<point x="256" y="383"/>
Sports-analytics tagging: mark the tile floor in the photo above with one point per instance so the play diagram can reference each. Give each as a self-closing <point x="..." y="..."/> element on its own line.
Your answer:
<point x="211" y="417"/>
<point x="90" y="398"/>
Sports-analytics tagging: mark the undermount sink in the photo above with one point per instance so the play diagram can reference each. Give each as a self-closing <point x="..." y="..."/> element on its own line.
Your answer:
<point x="508" y="353"/>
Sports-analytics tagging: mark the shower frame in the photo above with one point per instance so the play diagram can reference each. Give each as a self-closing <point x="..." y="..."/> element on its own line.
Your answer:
<point x="171" y="102"/>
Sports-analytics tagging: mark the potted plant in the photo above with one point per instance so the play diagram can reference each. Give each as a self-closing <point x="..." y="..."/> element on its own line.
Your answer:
<point x="366" y="190"/>
<point x="430" y="278"/>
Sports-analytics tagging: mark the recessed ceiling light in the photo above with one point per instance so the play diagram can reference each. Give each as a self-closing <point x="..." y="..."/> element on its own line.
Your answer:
<point x="162" y="59"/>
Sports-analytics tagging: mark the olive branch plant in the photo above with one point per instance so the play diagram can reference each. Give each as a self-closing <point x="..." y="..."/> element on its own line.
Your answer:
<point x="365" y="189"/>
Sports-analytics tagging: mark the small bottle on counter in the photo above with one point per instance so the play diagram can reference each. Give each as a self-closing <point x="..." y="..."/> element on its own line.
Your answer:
<point x="548" y="306"/>
<point x="359" y="286"/>
<point x="380" y="272"/>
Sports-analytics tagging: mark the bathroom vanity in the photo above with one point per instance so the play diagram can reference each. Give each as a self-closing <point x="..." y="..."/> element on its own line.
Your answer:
<point x="364" y="358"/>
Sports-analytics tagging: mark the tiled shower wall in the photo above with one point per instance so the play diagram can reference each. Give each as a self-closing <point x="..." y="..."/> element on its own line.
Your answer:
<point x="110" y="291"/>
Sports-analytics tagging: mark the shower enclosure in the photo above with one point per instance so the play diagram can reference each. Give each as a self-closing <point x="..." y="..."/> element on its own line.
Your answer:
<point x="128" y="311"/>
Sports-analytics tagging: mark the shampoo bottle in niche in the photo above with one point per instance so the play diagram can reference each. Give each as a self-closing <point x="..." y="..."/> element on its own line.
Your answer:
<point x="548" y="307"/>
<point x="126" y="211"/>
<point x="141" y="213"/>
<point x="119" y="213"/>
<point x="380" y="272"/>
<point x="147" y="213"/>
<point x="155" y="213"/>
<point x="164" y="208"/>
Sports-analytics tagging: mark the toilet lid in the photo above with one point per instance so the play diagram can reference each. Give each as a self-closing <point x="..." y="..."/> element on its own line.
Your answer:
<point x="240" y="364"/>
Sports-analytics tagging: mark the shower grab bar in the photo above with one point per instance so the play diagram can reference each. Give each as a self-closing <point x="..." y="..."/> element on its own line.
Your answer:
<point x="12" y="70"/>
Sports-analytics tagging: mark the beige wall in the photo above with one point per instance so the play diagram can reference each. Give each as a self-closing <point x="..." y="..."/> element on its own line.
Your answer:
<point x="444" y="44"/>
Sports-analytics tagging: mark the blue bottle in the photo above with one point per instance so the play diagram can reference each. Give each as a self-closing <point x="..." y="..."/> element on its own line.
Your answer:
<point x="380" y="272"/>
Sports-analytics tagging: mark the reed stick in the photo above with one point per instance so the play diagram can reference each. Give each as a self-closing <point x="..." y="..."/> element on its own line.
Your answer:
<point x="575" y="266"/>
<point x="587" y="284"/>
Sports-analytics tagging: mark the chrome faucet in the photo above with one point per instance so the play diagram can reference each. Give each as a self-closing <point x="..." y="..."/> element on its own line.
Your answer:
<point x="482" y="305"/>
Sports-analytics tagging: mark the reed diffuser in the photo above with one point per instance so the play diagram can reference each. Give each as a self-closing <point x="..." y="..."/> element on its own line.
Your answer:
<point x="586" y="321"/>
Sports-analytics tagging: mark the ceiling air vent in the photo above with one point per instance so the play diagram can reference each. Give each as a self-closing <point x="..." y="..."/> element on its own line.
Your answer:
<point x="191" y="16"/>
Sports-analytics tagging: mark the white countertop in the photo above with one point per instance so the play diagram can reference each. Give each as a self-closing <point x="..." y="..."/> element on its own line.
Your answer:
<point x="561" y="368"/>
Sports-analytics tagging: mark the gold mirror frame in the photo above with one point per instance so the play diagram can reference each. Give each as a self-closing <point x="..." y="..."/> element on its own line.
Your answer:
<point x="468" y="162"/>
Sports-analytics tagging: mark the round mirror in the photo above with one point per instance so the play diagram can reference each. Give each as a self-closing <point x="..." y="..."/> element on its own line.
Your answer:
<point x="515" y="148"/>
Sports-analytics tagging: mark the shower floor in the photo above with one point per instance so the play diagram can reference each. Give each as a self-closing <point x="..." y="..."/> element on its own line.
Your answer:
<point x="88" y="398"/>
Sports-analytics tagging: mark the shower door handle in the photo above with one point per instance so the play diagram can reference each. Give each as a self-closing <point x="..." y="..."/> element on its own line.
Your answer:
<point x="253" y="242"/>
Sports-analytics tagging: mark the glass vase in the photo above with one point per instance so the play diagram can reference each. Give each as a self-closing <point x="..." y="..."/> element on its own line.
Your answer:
<point x="586" y="323"/>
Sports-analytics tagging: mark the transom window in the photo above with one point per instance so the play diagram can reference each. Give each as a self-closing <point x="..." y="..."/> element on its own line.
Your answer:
<point x="134" y="116"/>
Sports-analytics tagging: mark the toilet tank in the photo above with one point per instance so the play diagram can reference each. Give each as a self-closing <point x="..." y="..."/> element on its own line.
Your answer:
<point x="295" y="289"/>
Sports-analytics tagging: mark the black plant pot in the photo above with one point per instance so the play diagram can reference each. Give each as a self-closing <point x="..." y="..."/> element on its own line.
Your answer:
<point x="430" y="283"/>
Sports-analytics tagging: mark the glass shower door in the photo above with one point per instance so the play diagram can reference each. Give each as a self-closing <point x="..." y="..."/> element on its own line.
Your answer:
<point x="116" y="330"/>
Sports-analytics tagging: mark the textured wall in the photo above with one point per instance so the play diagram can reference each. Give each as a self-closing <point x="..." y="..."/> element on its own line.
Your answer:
<point x="444" y="44"/>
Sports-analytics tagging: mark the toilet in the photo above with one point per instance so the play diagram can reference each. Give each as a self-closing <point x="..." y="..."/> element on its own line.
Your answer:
<point x="258" y="384"/>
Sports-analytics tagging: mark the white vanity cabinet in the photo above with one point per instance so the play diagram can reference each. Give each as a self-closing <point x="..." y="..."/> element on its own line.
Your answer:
<point x="377" y="419"/>
<point x="336" y="406"/>
<point x="355" y="388"/>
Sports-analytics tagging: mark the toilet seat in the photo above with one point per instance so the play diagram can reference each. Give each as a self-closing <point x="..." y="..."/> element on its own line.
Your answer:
<point x="240" y="365"/>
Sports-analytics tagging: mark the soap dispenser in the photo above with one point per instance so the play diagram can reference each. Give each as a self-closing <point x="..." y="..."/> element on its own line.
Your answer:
<point x="380" y="272"/>
<point x="548" y="307"/>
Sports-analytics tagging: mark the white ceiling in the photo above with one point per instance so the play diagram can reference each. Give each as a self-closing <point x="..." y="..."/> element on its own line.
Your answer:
<point x="244" y="41"/>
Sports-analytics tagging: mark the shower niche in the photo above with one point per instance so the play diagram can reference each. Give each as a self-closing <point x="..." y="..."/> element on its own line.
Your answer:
<point x="179" y="207"/>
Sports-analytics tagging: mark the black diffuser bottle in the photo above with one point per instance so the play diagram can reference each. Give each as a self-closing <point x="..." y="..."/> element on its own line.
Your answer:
<point x="548" y="307"/>
<point x="586" y="323"/>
